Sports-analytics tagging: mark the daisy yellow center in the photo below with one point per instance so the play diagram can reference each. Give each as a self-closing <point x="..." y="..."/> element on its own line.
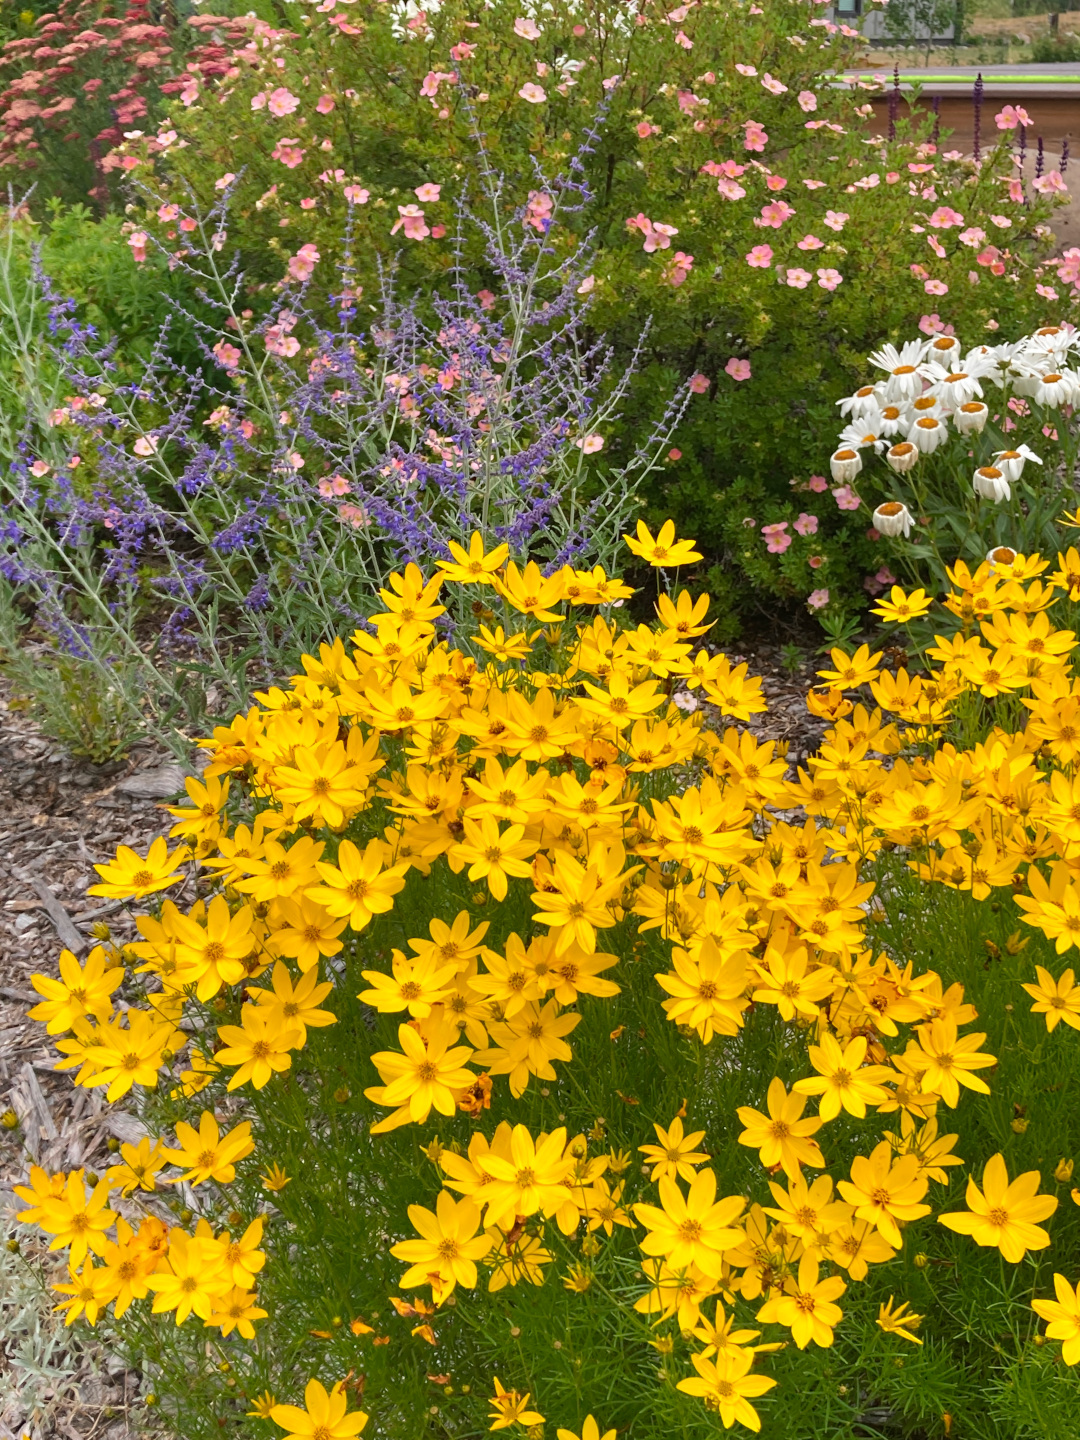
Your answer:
<point x="998" y="1217"/>
<point x="142" y="877"/>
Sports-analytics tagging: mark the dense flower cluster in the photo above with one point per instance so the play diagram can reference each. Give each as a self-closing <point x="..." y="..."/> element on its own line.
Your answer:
<point x="551" y="763"/>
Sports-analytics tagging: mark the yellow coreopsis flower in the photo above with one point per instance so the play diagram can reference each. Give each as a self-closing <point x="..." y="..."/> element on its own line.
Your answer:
<point x="899" y="1320"/>
<point x="193" y="1277"/>
<point x="885" y="1192"/>
<point x="132" y="1054"/>
<point x="295" y="1005"/>
<point x="259" y="1046"/>
<point x="692" y="1229"/>
<point x="427" y="1073"/>
<point x="842" y="1081"/>
<point x="414" y="985"/>
<point x="491" y="855"/>
<point x="206" y="1154"/>
<point x="139" y="1165"/>
<point x="1004" y="1214"/>
<point x="945" y="1061"/>
<point x="806" y="1305"/>
<point x="357" y="887"/>
<point x="473" y="566"/>
<point x="449" y="1247"/>
<point x="130" y="877"/>
<point x="528" y="1180"/>
<point x="1054" y="999"/>
<point x="664" y="549"/>
<point x="511" y="1408"/>
<point x="81" y="990"/>
<point x="901" y="608"/>
<point x="203" y="817"/>
<point x="590" y="1430"/>
<point x="235" y="1310"/>
<point x="89" y="1292"/>
<point x="1063" y="1313"/>
<point x="675" y="1156"/>
<point x="782" y="1136"/>
<point x="325" y="1416"/>
<point x="727" y="1387"/>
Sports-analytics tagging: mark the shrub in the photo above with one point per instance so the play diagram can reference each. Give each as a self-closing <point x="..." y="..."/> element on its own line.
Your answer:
<point x="409" y="1185"/>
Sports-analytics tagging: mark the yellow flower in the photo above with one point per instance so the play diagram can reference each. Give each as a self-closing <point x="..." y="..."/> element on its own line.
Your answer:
<point x="694" y="1229"/>
<point x="259" y="1046"/>
<point x="357" y="886"/>
<point x="842" y="1080"/>
<point x="511" y="1408"/>
<point x="140" y="1164"/>
<point x="414" y="985"/>
<point x="675" y="1156"/>
<point x="899" y="609"/>
<point x="322" y="786"/>
<point x="497" y="643"/>
<point x="806" y="1306"/>
<point x="782" y="1136"/>
<point x="577" y="904"/>
<point x="945" y="1061"/>
<point x="446" y="1253"/>
<point x="527" y="1044"/>
<point x="590" y="1430"/>
<point x="325" y="1417"/>
<point x="899" y="1321"/>
<point x="884" y="1192"/>
<point x="664" y="550"/>
<point x="492" y="855"/>
<point x="208" y="799"/>
<point x="1064" y="1316"/>
<point x="1054" y="999"/>
<point x="304" y="930"/>
<point x="193" y="1278"/>
<point x="275" y="1178"/>
<point x="295" y="1006"/>
<point x="89" y="1294"/>
<point x="131" y="1054"/>
<point x="81" y="990"/>
<point x="262" y="1405"/>
<point x="1004" y="1214"/>
<point x="129" y="877"/>
<point x="726" y="1386"/>
<point x="717" y="1335"/>
<point x="473" y="566"/>
<point x="530" y="591"/>
<point x="528" y="1180"/>
<point x="235" y="1310"/>
<point x="852" y="671"/>
<point x="206" y="1154"/>
<point x="428" y="1073"/>
<point x="280" y="872"/>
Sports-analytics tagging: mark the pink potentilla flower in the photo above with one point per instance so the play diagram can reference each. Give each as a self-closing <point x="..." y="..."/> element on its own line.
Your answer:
<point x="326" y="489"/>
<point x="936" y="245"/>
<point x="775" y="182"/>
<point x="935" y="287"/>
<point x="681" y="38"/>
<point x="755" y="138"/>
<point x="699" y="384"/>
<point x="944" y="217"/>
<point x="674" y="454"/>
<point x="814" y="184"/>
<point x="836" y="219"/>
<point x="818" y="484"/>
<point x="258" y="102"/>
<point x="737" y="369"/>
<point x="933" y="325"/>
<point x="990" y="256"/>
<point x="817" y="599"/>
<point x="302" y="264"/>
<point x="1001" y="221"/>
<point x="810" y="242"/>
<point x="74" y="462"/>
<point x="534" y="94"/>
<point x="463" y="50"/>
<point x="807" y="101"/>
<point x="411" y="219"/>
<point x="486" y="298"/>
<point x="1051" y="183"/>
<point x="816" y="561"/>
<point x="190" y="93"/>
<point x="774" y="86"/>
<point x="760" y="257"/>
<point x="731" y="168"/>
<point x="168" y="212"/>
<point x="354" y="515"/>
<point x="972" y="236"/>
<point x="138" y="240"/>
<point x="689" y="102"/>
<point x="1012" y="116"/>
<point x="885" y="576"/>
<point x="526" y="28"/>
<point x="797" y="278"/>
<point x="892" y="177"/>
<point x="774" y="214"/>
<point x="224" y="181"/>
<point x="146" y="445"/>
<point x="281" y="102"/>
<point x="746" y="69"/>
<point x="1046" y="291"/>
<point x="428" y="193"/>
<point x="296" y="460"/>
<point x="1016" y="191"/>
<point x="845" y="498"/>
<point x="644" y="129"/>
<point x="228" y="355"/>
<point x="39" y="468"/>
<point x="356" y="194"/>
<point x="438" y="231"/>
<point x="776" y="540"/>
<point x="308" y="203"/>
<point x="289" y="152"/>
<point x="729" y="189"/>
<point x="677" y="269"/>
<point x="709" y="78"/>
<point x="806" y="524"/>
<point x="829" y="279"/>
<point x="920" y="169"/>
<point x="590" y="444"/>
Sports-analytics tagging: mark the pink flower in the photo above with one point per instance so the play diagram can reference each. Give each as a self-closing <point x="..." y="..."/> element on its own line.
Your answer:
<point x="590" y="444"/>
<point x="935" y="287"/>
<point x="146" y="445"/>
<point x="814" y="184"/>
<point x="845" y="498"/>
<point x="810" y="242"/>
<point x="527" y="29"/>
<point x="797" y="278"/>
<point x="657" y="236"/>
<point x="288" y="152"/>
<point x="428" y="194"/>
<point x="462" y="50"/>
<point x="755" y="138"/>
<point x="836" y="219"/>
<point x="281" y="102"/>
<point x="1016" y="191"/>
<point x="168" y="212"/>
<point x="806" y="524"/>
<point x="829" y="279"/>
<point x="190" y="93"/>
<point x="775" y="182"/>
<point x="296" y="460"/>
<point x="1051" y="183"/>
<point x="972" y="236"/>
<point x="258" y="102"/>
<point x="644" y="129"/>
<point x="39" y="468"/>
<point x="807" y="101"/>
<point x="438" y="231"/>
<point x="1046" y="291"/>
<point x="817" y="599"/>
<point x="324" y="104"/>
<point x="224" y="181"/>
<point x="227" y="355"/>
<point x="302" y="264"/>
<point x="1001" y="221"/>
<point x="486" y="298"/>
<point x="308" y="203"/>
<point x="944" y="217"/>
<point x="187" y="224"/>
<point x="429" y="86"/>
<point x="138" y="240"/>
<point x="746" y="69"/>
<point x="816" y="561"/>
<point x="892" y="177"/>
<point x="760" y="257"/>
<point x="737" y="369"/>
<point x="775" y="537"/>
<point x="356" y="194"/>
<point x="674" y="454"/>
<point x="774" y="86"/>
<point x="681" y="38"/>
<point x="1011" y="116"/>
<point x="699" y="384"/>
<point x="534" y="94"/>
<point x="729" y="189"/>
<point x="677" y="269"/>
<point x="934" y="325"/>
<point x="818" y="484"/>
<point x="411" y="218"/>
<point x="1069" y="267"/>
<point x="774" y="214"/>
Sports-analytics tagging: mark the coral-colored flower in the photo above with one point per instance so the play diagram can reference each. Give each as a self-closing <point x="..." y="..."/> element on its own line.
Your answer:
<point x="737" y="369"/>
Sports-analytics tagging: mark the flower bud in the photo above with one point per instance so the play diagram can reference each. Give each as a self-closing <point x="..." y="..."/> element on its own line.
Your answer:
<point x="1063" y="1171"/>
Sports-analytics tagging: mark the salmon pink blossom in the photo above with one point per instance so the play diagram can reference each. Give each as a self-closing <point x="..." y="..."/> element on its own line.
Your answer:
<point x="534" y="94"/>
<point x="807" y="101"/>
<point x="527" y="29"/>
<point x="829" y="279"/>
<point x="324" y="104"/>
<point x="775" y="537"/>
<point x="944" y="217"/>
<point x="282" y="102"/>
<point x="1012" y="116"/>
<point x="737" y="369"/>
<point x="427" y="194"/>
<point x="699" y="383"/>
<point x="810" y="242"/>
<point x="760" y="257"/>
<point x="806" y="524"/>
<point x="356" y="194"/>
<point x="845" y="498"/>
<point x="818" y="484"/>
<point x="836" y="219"/>
<point x="411" y="219"/>
<point x="817" y="599"/>
<point x="797" y="278"/>
<point x="774" y="214"/>
<point x="138" y="241"/>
